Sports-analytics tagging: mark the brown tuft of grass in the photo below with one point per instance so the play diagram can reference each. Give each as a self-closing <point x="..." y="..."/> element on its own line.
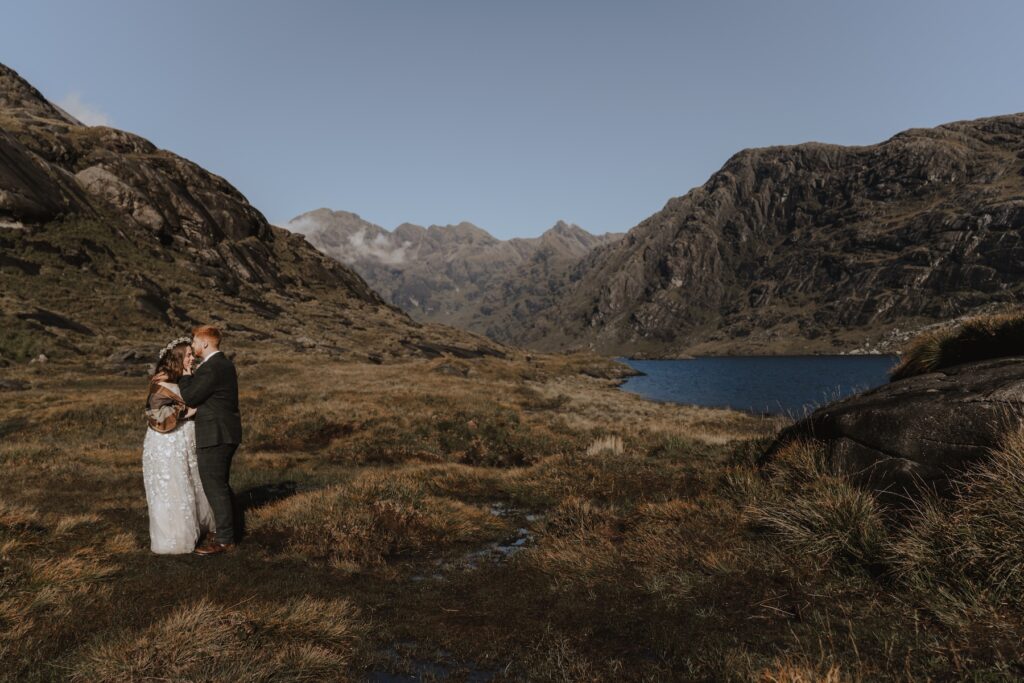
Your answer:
<point x="69" y="523"/>
<point x="958" y="554"/>
<point x="794" y="670"/>
<point x="978" y="338"/>
<point x="303" y="639"/>
<point x="605" y="477"/>
<point x="297" y="430"/>
<point x="16" y="521"/>
<point x="577" y="548"/>
<point x="375" y="517"/>
<point x="611" y="444"/>
<point x="817" y="513"/>
<point x="555" y="658"/>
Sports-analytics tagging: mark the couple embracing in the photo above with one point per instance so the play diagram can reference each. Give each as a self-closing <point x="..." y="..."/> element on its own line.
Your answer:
<point x="194" y="430"/>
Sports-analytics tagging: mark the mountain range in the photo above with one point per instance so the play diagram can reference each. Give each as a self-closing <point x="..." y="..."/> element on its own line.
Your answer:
<point x="810" y="248"/>
<point x="458" y="275"/>
<point x="108" y="243"/>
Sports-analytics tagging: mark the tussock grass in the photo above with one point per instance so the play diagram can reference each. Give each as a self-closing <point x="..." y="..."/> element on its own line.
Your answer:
<point x="957" y="554"/>
<point x="298" y="431"/>
<point x="376" y="517"/>
<point x="957" y="561"/>
<point x="812" y="511"/>
<point x="660" y="553"/>
<point x="605" y="477"/>
<point x="979" y="338"/>
<point x="793" y="670"/>
<point x="299" y="640"/>
<point x="611" y="444"/>
<point x="16" y="520"/>
<point x="830" y="520"/>
<point x="577" y="552"/>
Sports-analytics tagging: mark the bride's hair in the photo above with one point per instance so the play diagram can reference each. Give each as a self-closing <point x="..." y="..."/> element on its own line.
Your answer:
<point x="173" y="362"/>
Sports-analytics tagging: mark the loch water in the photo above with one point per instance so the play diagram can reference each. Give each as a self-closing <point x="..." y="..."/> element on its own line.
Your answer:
<point x="786" y="385"/>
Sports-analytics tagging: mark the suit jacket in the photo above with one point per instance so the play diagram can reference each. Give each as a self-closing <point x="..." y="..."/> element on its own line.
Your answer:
<point x="213" y="389"/>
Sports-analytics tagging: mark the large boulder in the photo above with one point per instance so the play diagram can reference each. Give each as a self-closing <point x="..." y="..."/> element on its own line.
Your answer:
<point x="917" y="432"/>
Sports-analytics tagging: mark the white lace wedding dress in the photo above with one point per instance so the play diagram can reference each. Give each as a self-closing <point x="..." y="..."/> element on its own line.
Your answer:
<point x="178" y="509"/>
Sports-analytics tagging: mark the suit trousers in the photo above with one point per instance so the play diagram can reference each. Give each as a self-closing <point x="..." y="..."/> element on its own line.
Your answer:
<point x="214" y="472"/>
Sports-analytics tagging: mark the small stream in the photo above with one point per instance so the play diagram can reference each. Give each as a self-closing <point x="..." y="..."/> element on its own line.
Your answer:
<point x="494" y="552"/>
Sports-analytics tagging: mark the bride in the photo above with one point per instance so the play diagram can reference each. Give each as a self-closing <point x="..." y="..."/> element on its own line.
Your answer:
<point x="178" y="510"/>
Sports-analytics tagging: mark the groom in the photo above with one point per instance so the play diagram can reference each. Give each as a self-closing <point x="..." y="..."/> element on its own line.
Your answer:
<point x="212" y="387"/>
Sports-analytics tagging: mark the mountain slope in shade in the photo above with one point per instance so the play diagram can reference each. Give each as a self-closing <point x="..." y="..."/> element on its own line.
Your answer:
<point x="810" y="248"/>
<point x="455" y="274"/>
<point x="107" y="241"/>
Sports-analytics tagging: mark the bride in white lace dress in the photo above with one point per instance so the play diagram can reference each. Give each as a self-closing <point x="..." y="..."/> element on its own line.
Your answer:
<point x="178" y="510"/>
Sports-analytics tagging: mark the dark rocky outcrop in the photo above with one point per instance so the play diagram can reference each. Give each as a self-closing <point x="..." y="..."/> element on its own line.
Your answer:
<point x="918" y="431"/>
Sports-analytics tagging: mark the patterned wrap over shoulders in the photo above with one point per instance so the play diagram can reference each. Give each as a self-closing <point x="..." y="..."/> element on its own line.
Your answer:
<point x="164" y="408"/>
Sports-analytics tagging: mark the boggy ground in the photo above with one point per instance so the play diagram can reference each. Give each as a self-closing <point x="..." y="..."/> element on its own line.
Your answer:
<point x="524" y="521"/>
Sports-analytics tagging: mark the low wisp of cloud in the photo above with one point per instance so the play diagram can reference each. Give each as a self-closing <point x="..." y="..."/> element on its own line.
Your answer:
<point x="88" y="114"/>
<point x="378" y="248"/>
<point x="359" y="246"/>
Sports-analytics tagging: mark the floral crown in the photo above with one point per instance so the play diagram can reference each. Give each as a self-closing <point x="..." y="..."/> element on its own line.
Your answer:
<point x="172" y="344"/>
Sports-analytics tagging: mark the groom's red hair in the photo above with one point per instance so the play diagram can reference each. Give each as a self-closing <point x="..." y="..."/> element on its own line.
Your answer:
<point x="207" y="332"/>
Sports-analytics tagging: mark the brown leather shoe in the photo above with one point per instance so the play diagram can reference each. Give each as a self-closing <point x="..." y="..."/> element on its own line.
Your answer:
<point x="214" y="548"/>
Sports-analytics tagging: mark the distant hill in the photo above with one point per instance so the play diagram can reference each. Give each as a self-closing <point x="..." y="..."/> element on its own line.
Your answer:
<point x="455" y="274"/>
<point x="810" y="248"/>
<point x="107" y="242"/>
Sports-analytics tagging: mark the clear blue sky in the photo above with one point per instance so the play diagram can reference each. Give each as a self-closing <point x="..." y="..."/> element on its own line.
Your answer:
<point x="509" y="114"/>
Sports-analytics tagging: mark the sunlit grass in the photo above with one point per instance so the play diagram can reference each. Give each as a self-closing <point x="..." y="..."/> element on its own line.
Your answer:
<point x="651" y="547"/>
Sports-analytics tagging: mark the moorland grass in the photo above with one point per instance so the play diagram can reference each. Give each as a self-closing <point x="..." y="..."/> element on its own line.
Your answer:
<point x="655" y="548"/>
<point x="297" y="640"/>
<point x="978" y="338"/>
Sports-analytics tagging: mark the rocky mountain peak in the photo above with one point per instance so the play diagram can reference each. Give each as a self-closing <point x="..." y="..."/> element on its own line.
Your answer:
<point x="458" y="274"/>
<point x="18" y="96"/>
<point x="463" y="231"/>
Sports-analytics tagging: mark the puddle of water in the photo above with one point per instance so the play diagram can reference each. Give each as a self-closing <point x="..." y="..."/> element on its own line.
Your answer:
<point x="498" y="551"/>
<point x="493" y="553"/>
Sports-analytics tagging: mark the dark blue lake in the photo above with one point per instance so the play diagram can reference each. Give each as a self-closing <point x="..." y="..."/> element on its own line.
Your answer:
<point x="788" y="385"/>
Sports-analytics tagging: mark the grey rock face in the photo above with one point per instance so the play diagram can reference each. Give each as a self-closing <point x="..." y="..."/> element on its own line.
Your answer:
<point x="917" y="431"/>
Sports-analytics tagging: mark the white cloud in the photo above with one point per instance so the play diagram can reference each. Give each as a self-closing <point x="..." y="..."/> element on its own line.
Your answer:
<point x="378" y="248"/>
<point x="303" y="225"/>
<point x="86" y="113"/>
<point x="358" y="246"/>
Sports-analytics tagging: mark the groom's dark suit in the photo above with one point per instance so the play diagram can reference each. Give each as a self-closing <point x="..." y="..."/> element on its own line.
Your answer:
<point x="213" y="389"/>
